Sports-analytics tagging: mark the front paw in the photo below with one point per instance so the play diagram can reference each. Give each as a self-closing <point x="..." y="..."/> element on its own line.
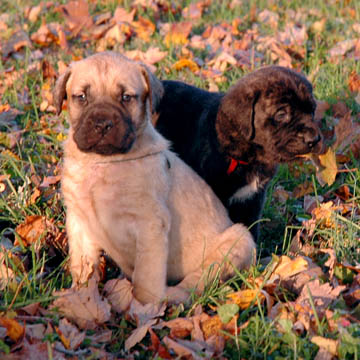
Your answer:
<point x="177" y="295"/>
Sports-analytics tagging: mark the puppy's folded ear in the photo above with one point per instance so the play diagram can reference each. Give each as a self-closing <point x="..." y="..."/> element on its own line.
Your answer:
<point x="155" y="87"/>
<point x="236" y="114"/>
<point x="59" y="92"/>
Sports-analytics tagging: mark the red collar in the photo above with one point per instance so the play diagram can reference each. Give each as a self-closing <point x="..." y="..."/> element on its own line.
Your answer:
<point x="233" y="165"/>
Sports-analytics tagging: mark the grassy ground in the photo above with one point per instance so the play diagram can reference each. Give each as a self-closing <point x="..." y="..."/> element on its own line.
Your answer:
<point x="31" y="135"/>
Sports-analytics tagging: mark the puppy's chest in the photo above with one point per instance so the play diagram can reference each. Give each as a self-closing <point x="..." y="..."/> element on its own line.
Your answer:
<point x="112" y="192"/>
<point x="247" y="191"/>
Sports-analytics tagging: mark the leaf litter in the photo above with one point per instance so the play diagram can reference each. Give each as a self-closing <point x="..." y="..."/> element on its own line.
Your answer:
<point x="316" y="279"/>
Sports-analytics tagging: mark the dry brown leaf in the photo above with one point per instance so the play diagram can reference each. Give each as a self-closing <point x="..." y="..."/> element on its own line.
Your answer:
<point x="346" y="131"/>
<point x="69" y="334"/>
<point x="77" y="15"/>
<point x="34" y="13"/>
<point x="6" y="273"/>
<point x="342" y="47"/>
<point x="35" y="331"/>
<point x="17" y="41"/>
<point x="50" y="180"/>
<point x="121" y="15"/>
<point x="34" y="350"/>
<point x="178" y="34"/>
<point x="270" y="18"/>
<point x="157" y="347"/>
<point x="179" y="327"/>
<point x="324" y="214"/>
<point x="83" y="305"/>
<point x="193" y="11"/>
<point x="144" y="28"/>
<point x="354" y="81"/>
<point x="322" y="294"/>
<point x="181" y="350"/>
<point x="119" y="293"/>
<point x="214" y="326"/>
<point x="321" y="108"/>
<point x="33" y="229"/>
<point x="287" y="267"/>
<point x="329" y="345"/>
<point x="303" y="189"/>
<point x="145" y="316"/>
<point x="14" y="330"/>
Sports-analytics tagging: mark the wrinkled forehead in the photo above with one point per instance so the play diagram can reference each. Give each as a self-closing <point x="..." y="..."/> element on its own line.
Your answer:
<point x="105" y="74"/>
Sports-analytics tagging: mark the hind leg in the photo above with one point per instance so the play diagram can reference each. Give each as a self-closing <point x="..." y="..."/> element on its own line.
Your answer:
<point x="236" y="249"/>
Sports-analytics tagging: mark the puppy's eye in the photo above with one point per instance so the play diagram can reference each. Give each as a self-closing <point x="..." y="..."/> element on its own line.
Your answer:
<point x="281" y="116"/>
<point x="126" y="97"/>
<point x="80" y="97"/>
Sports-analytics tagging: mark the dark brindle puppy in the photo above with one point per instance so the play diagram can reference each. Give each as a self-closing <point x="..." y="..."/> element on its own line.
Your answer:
<point x="236" y="140"/>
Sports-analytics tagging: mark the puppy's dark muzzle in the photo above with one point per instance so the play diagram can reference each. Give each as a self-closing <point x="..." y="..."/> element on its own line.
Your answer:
<point x="105" y="130"/>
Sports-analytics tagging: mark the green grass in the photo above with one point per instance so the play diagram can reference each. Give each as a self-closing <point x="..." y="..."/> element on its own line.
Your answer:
<point x="37" y="154"/>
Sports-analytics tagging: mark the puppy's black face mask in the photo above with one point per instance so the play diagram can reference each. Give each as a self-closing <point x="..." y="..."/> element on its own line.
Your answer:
<point x="105" y="129"/>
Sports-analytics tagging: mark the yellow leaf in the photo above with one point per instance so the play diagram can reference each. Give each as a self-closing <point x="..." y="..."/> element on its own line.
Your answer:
<point x="10" y="154"/>
<point x="244" y="298"/>
<point x="15" y="331"/>
<point x="326" y="172"/>
<point x="186" y="63"/>
<point x="288" y="267"/>
<point x="329" y="345"/>
<point x="63" y="338"/>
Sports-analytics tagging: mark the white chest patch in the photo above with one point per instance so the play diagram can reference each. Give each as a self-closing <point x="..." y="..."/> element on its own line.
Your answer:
<point x="246" y="192"/>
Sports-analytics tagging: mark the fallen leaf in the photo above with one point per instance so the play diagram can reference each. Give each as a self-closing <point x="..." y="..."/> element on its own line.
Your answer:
<point x="32" y="230"/>
<point x="119" y="294"/>
<point x="178" y="34"/>
<point x="34" y="13"/>
<point x="287" y="267"/>
<point x="145" y="316"/>
<point x="245" y="298"/>
<point x="179" y="327"/>
<point x="227" y="311"/>
<point x="83" y="305"/>
<point x="14" y="330"/>
<point x="144" y="28"/>
<point x="270" y="18"/>
<point x="35" y="331"/>
<point x="329" y="345"/>
<point x="77" y="16"/>
<point x="186" y="63"/>
<point x="121" y="15"/>
<point x="321" y="108"/>
<point x="346" y="131"/>
<point x="69" y="334"/>
<point x="157" y="347"/>
<point x="50" y="180"/>
<point x="303" y="189"/>
<point x="322" y="294"/>
<point x="17" y="41"/>
<point x="342" y="47"/>
<point x="180" y="349"/>
<point x="354" y="81"/>
<point x="326" y="167"/>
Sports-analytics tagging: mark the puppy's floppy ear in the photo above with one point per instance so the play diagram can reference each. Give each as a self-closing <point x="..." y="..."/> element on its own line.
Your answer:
<point x="155" y="87"/>
<point x="59" y="92"/>
<point x="236" y="113"/>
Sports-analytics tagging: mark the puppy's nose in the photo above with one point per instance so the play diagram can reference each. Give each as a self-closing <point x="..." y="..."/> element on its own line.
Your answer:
<point x="313" y="142"/>
<point x="103" y="125"/>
